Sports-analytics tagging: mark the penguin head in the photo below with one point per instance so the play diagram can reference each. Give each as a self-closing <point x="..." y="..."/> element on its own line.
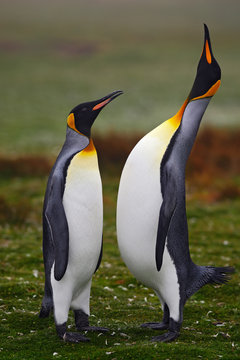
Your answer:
<point x="82" y="117"/>
<point x="208" y="75"/>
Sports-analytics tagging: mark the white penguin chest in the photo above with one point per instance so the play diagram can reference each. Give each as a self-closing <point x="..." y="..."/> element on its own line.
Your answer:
<point x="138" y="208"/>
<point x="82" y="201"/>
<point x="139" y="202"/>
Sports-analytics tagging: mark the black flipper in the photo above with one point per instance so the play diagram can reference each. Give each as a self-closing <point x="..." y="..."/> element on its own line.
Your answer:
<point x="168" y="185"/>
<point x="100" y="257"/>
<point x="57" y="221"/>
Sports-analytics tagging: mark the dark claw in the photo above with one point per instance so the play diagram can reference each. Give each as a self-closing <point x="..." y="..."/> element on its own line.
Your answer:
<point x="92" y="328"/>
<point x="155" y="326"/>
<point x="167" y="337"/>
<point x="74" y="337"/>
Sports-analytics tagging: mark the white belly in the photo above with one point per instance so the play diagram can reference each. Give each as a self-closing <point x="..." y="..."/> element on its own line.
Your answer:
<point x="139" y="202"/>
<point x="82" y="201"/>
<point x="138" y="207"/>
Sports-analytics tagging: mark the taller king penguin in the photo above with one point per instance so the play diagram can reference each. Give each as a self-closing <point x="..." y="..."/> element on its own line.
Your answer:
<point x="152" y="225"/>
<point x="73" y="223"/>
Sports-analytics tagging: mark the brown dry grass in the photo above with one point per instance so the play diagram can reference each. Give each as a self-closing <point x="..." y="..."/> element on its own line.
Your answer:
<point x="213" y="168"/>
<point x="215" y="154"/>
<point x="25" y="165"/>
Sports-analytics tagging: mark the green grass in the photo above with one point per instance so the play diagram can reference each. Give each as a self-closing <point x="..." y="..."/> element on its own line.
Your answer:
<point x="211" y="317"/>
<point x="58" y="54"/>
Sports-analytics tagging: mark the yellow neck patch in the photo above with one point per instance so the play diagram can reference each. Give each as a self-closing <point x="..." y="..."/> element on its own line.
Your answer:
<point x="89" y="150"/>
<point x="176" y="119"/>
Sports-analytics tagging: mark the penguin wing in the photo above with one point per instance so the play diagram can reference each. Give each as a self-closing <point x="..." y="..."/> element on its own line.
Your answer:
<point x="166" y="212"/>
<point x="100" y="257"/>
<point x="57" y="222"/>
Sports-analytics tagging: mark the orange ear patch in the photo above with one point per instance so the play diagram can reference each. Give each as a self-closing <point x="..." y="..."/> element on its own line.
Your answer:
<point x="210" y="92"/>
<point x="71" y="122"/>
<point x="208" y="53"/>
<point x="101" y="104"/>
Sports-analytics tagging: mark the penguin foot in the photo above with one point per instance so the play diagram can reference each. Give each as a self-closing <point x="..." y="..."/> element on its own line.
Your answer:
<point x="92" y="328"/>
<point x="155" y="325"/>
<point x="82" y="323"/>
<point x="74" y="337"/>
<point x="166" y="337"/>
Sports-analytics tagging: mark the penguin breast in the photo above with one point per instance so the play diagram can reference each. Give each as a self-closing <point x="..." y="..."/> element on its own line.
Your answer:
<point x="82" y="201"/>
<point x="139" y="202"/>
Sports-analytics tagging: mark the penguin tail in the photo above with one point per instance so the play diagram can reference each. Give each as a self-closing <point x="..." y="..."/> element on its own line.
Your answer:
<point x="45" y="310"/>
<point x="46" y="307"/>
<point x="209" y="275"/>
<point x="218" y="275"/>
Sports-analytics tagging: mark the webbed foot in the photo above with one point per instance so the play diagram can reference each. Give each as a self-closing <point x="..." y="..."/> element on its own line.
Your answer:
<point x="155" y="325"/>
<point x="172" y="333"/>
<point x="74" y="337"/>
<point x="92" y="328"/>
<point x="69" y="336"/>
<point x="166" y="337"/>
<point x="82" y="322"/>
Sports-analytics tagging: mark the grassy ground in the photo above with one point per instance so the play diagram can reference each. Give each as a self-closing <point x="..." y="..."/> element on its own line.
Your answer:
<point x="211" y="317"/>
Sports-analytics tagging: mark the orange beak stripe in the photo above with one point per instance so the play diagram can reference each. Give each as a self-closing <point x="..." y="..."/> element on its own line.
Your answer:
<point x="98" y="106"/>
<point x="208" y="53"/>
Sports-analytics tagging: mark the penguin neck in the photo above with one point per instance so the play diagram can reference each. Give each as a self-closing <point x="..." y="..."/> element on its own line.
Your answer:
<point x="74" y="143"/>
<point x="187" y="131"/>
<point x="74" y="137"/>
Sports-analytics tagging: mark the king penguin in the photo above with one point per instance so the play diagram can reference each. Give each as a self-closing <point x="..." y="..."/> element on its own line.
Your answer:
<point x="152" y="225"/>
<point x="73" y="223"/>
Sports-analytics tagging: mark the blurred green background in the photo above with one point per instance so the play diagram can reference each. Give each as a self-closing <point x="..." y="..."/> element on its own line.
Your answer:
<point x="56" y="54"/>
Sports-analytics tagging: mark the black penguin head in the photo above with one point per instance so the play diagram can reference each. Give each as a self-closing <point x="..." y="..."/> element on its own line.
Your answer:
<point x="208" y="75"/>
<point x="82" y="117"/>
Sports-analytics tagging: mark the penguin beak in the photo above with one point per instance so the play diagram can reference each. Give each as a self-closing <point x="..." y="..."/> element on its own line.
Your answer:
<point x="207" y="49"/>
<point x="106" y="99"/>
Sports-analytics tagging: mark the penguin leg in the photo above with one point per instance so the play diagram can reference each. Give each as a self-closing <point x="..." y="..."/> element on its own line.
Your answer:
<point x="174" y="326"/>
<point x="62" y="296"/>
<point x="80" y="305"/>
<point x="82" y="322"/>
<point x="163" y="325"/>
<point x="173" y="332"/>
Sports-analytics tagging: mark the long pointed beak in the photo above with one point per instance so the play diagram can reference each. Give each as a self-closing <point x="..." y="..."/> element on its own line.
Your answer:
<point x="107" y="99"/>
<point x="207" y="48"/>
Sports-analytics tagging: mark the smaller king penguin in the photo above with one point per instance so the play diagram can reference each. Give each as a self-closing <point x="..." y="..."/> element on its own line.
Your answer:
<point x="152" y="225"/>
<point x="73" y="223"/>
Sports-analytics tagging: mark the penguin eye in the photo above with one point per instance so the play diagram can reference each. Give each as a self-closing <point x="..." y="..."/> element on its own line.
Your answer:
<point x="84" y="109"/>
